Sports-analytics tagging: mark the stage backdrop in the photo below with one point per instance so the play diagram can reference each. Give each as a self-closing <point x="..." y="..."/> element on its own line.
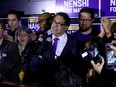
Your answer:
<point x="72" y="7"/>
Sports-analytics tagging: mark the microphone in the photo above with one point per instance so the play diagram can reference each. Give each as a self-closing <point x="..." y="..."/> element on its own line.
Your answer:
<point x="32" y="47"/>
<point x="45" y="44"/>
<point x="40" y="39"/>
<point x="49" y="40"/>
<point x="44" y="47"/>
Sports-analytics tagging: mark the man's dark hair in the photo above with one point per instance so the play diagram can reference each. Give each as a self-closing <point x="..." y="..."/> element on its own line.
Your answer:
<point x="17" y="13"/>
<point x="87" y="10"/>
<point x="3" y="25"/>
<point x="64" y="77"/>
<point x="65" y="17"/>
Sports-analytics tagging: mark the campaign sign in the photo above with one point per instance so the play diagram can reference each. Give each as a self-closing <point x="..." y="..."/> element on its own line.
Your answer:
<point x="108" y="7"/>
<point x="73" y="7"/>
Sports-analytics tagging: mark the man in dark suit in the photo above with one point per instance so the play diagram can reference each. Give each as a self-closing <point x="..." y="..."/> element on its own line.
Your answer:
<point x="9" y="58"/>
<point x="47" y="58"/>
<point x="65" y="43"/>
<point x="65" y="52"/>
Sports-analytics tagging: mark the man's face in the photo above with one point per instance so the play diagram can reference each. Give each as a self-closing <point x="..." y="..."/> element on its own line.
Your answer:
<point x="58" y="26"/>
<point x="85" y="22"/>
<point x="13" y="21"/>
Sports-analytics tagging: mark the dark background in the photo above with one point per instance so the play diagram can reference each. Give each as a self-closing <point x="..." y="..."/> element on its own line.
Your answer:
<point x="27" y="6"/>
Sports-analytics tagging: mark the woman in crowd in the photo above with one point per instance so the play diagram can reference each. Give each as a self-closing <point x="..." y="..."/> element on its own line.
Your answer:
<point x="22" y="38"/>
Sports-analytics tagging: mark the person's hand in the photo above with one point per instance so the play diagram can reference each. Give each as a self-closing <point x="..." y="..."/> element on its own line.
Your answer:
<point x="112" y="46"/>
<point x="9" y="38"/>
<point x="98" y="67"/>
<point x="33" y="36"/>
<point x="102" y="32"/>
<point x="106" y="23"/>
<point x="90" y="73"/>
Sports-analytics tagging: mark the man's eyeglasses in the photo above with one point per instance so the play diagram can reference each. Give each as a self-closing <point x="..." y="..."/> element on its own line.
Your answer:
<point x="85" y="20"/>
<point x="58" y="24"/>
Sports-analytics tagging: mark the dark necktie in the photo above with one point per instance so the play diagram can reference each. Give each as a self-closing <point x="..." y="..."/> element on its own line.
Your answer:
<point x="55" y="44"/>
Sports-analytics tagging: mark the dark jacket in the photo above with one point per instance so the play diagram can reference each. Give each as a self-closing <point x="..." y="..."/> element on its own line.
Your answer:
<point x="9" y="62"/>
<point x="41" y="69"/>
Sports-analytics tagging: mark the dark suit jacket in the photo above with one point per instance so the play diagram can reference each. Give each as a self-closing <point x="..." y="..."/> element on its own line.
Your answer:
<point x="69" y="50"/>
<point x="41" y="69"/>
<point x="9" y="63"/>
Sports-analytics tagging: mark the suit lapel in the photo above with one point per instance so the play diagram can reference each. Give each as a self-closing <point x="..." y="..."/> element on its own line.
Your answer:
<point x="67" y="46"/>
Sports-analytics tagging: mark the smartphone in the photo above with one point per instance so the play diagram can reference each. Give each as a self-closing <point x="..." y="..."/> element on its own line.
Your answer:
<point x="110" y="57"/>
<point x="92" y="53"/>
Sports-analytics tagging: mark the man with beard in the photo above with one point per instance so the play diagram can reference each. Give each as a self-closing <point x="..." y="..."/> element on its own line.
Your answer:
<point x="86" y="30"/>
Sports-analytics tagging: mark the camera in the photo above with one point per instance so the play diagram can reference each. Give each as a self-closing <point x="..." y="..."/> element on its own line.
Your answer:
<point x="110" y="56"/>
<point x="91" y="53"/>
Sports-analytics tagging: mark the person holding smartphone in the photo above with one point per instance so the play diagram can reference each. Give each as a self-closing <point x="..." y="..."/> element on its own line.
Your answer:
<point x="100" y="68"/>
<point x="113" y="48"/>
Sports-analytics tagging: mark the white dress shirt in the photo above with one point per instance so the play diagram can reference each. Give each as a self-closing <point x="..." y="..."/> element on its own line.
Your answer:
<point x="60" y="44"/>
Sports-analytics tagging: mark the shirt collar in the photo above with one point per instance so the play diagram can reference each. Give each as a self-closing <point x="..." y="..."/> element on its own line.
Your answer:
<point x="60" y="37"/>
<point x="49" y="32"/>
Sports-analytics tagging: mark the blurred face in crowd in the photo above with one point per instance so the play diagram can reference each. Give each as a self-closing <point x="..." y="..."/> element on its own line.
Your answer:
<point x="33" y="36"/>
<point x="58" y="26"/>
<point x="1" y="31"/>
<point x="13" y="21"/>
<point x="85" y="21"/>
<point x="23" y="38"/>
